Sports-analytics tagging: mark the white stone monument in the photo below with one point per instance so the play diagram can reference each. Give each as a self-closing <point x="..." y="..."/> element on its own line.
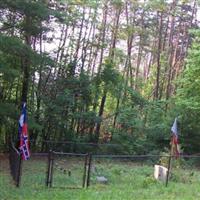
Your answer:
<point x="102" y="179"/>
<point x="160" y="173"/>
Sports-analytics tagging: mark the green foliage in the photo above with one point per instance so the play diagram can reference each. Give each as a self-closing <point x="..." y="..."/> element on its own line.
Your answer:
<point x="75" y="86"/>
<point x="149" y="181"/>
<point x="14" y="46"/>
<point x="109" y="75"/>
<point x="187" y="99"/>
<point x="144" y="126"/>
<point x="7" y="110"/>
<point x="159" y="5"/>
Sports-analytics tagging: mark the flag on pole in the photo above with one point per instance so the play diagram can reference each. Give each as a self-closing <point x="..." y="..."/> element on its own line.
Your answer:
<point x="175" y="142"/>
<point x="23" y="134"/>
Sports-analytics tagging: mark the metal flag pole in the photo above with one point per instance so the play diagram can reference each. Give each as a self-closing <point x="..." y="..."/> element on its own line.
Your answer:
<point x="169" y="163"/>
<point x="174" y="144"/>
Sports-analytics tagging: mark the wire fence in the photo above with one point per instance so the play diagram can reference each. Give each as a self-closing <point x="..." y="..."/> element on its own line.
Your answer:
<point x="72" y="170"/>
<point x="15" y="163"/>
<point x="58" y="169"/>
<point x="67" y="170"/>
<point x="75" y="147"/>
<point x="34" y="171"/>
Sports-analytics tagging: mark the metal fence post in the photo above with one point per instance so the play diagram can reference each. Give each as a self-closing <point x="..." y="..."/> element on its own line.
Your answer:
<point x="15" y="162"/>
<point x="85" y="169"/>
<point x="168" y="170"/>
<point x="19" y="171"/>
<point x="89" y="170"/>
<point x="51" y="169"/>
<point x="48" y="168"/>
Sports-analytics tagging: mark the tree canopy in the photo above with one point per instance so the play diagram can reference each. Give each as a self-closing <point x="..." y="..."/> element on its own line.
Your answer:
<point x="101" y="71"/>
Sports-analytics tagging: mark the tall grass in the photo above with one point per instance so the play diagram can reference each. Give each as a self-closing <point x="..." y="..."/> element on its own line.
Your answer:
<point x="126" y="181"/>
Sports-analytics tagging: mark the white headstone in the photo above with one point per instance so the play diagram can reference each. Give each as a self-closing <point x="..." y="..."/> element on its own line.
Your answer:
<point x="102" y="179"/>
<point x="160" y="173"/>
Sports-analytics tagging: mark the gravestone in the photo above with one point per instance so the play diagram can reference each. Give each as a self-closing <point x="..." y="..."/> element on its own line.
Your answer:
<point x="160" y="173"/>
<point x="102" y="179"/>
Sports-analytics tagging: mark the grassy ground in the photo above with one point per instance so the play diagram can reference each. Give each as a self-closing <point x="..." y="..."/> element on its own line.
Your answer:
<point x="126" y="181"/>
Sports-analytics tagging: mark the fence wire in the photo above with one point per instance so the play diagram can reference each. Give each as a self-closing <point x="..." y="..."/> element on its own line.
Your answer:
<point x="68" y="170"/>
<point x="34" y="171"/>
<point x="15" y="164"/>
<point x="74" y="170"/>
<point x="139" y="170"/>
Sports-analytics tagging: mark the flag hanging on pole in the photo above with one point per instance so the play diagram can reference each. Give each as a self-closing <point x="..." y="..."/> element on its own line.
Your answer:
<point x="23" y="134"/>
<point x="174" y="141"/>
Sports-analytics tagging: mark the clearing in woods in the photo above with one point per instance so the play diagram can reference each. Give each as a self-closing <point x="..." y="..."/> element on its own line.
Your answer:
<point x="126" y="181"/>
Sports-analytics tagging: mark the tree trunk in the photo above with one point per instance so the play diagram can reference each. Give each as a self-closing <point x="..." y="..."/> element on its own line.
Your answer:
<point x="101" y="109"/>
<point x="160" y="24"/>
<point x="26" y="64"/>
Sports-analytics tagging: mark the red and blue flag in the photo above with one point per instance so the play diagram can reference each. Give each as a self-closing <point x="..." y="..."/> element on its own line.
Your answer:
<point x="23" y="134"/>
<point x="175" y="141"/>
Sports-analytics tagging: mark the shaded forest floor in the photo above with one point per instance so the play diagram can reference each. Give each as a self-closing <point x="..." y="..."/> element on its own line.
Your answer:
<point x="126" y="180"/>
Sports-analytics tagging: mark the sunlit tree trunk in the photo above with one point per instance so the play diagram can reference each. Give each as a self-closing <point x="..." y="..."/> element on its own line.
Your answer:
<point x="159" y="47"/>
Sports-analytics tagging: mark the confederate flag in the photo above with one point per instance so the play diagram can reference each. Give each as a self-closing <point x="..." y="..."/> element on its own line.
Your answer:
<point x="23" y="134"/>
<point x="175" y="143"/>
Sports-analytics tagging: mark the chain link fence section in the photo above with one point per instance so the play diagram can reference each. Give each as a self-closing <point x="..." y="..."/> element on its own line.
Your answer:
<point x="67" y="170"/>
<point x="15" y="163"/>
<point x="34" y="171"/>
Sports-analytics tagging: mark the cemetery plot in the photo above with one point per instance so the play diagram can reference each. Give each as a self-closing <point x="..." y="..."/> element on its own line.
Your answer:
<point x="68" y="170"/>
<point x="140" y="171"/>
<point x="119" y="171"/>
